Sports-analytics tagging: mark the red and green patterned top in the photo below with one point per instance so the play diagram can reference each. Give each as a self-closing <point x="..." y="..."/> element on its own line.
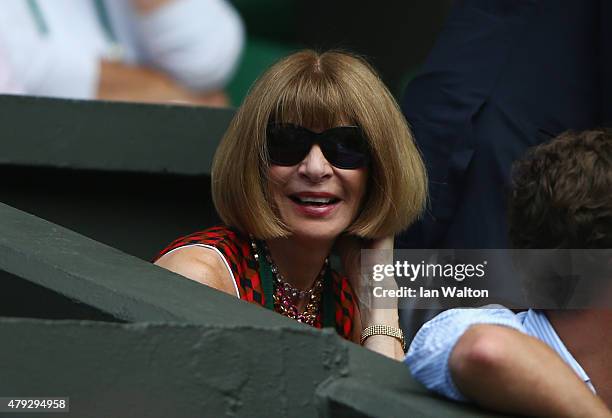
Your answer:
<point x="235" y="247"/>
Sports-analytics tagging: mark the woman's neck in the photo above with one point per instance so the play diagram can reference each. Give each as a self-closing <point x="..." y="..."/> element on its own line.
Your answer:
<point x="299" y="261"/>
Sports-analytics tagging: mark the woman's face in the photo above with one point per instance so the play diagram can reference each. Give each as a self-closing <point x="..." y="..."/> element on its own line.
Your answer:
<point x="315" y="199"/>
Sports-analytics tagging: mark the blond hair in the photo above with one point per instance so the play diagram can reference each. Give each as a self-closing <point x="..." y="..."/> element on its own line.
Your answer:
<point x="319" y="89"/>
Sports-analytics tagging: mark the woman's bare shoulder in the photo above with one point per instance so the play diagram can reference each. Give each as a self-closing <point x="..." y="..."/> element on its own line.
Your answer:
<point x="201" y="264"/>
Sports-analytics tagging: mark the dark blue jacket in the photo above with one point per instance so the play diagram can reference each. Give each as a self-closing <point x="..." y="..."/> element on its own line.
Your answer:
<point x="504" y="75"/>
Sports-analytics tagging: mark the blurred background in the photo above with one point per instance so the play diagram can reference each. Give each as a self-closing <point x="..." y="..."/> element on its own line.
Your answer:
<point x="205" y="52"/>
<point x="394" y="36"/>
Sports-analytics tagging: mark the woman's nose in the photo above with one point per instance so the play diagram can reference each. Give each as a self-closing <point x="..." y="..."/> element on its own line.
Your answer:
<point x="315" y="166"/>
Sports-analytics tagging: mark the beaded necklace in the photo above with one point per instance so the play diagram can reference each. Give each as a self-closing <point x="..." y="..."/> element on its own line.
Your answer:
<point x="283" y="296"/>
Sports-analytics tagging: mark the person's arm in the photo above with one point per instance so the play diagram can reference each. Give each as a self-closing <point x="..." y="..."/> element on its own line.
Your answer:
<point x="121" y="82"/>
<point x="506" y="370"/>
<point x="463" y="354"/>
<point x="144" y="7"/>
<point x="383" y="344"/>
<point x="350" y="252"/>
<point x="46" y="64"/>
<point x="200" y="264"/>
<point x="197" y="42"/>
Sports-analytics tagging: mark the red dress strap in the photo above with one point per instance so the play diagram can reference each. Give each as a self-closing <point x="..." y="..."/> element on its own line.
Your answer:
<point x="345" y="306"/>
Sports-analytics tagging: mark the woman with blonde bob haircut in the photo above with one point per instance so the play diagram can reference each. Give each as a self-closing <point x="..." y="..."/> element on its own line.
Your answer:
<point x="317" y="157"/>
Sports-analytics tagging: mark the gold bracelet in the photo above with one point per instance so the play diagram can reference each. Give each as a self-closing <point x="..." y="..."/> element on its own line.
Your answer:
<point x="384" y="330"/>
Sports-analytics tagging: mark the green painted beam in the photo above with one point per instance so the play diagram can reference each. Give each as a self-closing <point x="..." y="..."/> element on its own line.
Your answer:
<point x="111" y="281"/>
<point x="179" y="370"/>
<point x="354" y="398"/>
<point x="109" y="136"/>
<point x="241" y="360"/>
<point x="165" y="370"/>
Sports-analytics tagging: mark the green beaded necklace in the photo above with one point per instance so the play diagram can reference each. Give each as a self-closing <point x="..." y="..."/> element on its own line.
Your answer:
<point x="268" y="280"/>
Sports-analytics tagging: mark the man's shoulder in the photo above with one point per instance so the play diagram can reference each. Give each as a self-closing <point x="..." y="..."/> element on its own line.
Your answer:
<point x="489" y="314"/>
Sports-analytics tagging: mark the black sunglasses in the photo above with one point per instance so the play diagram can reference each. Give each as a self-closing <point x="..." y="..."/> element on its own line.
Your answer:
<point x="344" y="146"/>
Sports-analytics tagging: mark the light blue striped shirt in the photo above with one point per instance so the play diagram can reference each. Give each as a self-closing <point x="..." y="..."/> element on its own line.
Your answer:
<point x="430" y="350"/>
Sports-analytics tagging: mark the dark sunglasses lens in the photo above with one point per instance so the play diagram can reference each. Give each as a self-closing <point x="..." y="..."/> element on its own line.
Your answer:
<point x="287" y="145"/>
<point x="345" y="148"/>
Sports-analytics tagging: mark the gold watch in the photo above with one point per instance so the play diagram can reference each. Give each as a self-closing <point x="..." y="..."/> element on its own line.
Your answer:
<point x="380" y="329"/>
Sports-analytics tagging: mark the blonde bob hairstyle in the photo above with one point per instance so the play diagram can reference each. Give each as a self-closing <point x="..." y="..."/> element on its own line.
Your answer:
<point x="319" y="90"/>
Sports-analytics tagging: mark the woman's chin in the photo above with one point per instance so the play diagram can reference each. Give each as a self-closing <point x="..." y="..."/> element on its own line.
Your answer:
<point x="320" y="232"/>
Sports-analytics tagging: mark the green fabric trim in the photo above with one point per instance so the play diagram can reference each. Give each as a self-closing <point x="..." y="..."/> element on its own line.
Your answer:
<point x="38" y="17"/>
<point x="43" y="28"/>
<point x="329" y="310"/>
<point x="266" y="276"/>
<point x="105" y="20"/>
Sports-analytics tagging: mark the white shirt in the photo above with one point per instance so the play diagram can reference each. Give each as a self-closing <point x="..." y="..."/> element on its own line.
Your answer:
<point x="197" y="42"/>
<point x="430" y="350"/>
<point x="7" y="80"/>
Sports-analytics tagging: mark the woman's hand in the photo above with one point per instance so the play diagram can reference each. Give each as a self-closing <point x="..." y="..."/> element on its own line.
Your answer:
<point x="349" y="249"/>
